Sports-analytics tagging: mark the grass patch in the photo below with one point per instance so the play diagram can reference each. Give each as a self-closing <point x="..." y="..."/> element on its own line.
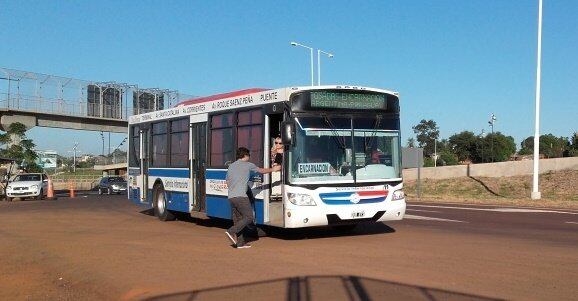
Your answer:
<point x="559" y="189"/>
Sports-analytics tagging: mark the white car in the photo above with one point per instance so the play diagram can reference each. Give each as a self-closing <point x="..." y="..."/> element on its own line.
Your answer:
<point x="27" y="185"/>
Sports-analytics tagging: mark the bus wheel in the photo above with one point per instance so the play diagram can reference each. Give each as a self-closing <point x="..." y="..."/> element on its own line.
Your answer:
<point x="160" y="205"/>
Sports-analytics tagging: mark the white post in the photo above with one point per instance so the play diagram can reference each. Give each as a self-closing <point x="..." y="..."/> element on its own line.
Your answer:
<point x="536" y="195"/>
<point x="319" y="67"/>
<point x="435" y="152"/>
<point x="312" y="80"/>
<point x="319" y="52"/>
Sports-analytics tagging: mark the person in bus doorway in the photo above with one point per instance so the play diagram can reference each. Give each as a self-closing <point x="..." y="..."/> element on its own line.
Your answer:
<point x="238" y="177"/>
<point x="277" y="152"/>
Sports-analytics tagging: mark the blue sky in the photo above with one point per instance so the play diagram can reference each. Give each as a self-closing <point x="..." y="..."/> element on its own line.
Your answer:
<point x="455" y="62"/>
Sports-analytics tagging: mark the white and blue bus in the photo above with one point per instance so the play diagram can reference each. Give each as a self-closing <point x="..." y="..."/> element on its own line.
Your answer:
<point x="341" y="164"/>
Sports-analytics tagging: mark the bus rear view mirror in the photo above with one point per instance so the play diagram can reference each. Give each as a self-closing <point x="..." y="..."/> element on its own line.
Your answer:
<point x="288" y="133"/>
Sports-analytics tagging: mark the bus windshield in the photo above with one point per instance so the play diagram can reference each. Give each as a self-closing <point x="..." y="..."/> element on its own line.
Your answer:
<point x="343" y="150"/>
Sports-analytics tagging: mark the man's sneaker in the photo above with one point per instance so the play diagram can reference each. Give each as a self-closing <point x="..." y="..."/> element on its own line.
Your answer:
<point x="244" y="246"/>
<point x="231" y="238"/>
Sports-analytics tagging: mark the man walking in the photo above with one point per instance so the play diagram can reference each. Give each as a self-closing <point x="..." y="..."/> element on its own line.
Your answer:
<point x="238" y="176"/>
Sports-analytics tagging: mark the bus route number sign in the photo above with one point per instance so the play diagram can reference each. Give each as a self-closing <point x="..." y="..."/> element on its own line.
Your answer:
<point x="352" y="101"/>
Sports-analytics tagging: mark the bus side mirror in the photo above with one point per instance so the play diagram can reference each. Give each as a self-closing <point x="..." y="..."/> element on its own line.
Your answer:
<point x="288" y="133"/>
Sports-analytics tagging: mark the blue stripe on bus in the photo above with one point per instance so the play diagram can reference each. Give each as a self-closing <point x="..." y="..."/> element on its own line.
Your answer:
<point x="219" y="206"/>
<point x="221" y="174"/>
<point x="177" y="201"/>
<point x="216" y="174"/>
<point x="173" y="173"/>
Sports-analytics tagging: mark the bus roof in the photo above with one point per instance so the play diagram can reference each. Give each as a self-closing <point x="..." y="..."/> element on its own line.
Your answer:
<point x="220" y="96"/>
<point x="236" y="99"/>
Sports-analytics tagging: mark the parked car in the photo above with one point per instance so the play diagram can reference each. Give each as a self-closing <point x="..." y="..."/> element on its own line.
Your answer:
<point x="27" y="185"/>
<point x="112" y="184"/>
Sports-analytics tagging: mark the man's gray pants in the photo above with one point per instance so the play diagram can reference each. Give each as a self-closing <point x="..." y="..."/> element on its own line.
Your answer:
<point x="243" y="218"/>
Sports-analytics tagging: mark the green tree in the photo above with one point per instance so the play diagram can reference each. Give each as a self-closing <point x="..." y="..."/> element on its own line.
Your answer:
<point x="550" y="146"/>
<point x="411" y="142"/>
<point x="426" y="132"/>
<point x="447" y="157"/>
<point x="573" y="148"/>
<point x="464" y="145"/>
<point x="503" y="147"/>
<point x="17" y="146"/>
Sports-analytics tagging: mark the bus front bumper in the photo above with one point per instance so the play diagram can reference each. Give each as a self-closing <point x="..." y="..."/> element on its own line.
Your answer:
<point x="312" y="216"/>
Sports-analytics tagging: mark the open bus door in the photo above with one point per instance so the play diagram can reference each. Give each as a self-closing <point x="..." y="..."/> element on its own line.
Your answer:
<point x="144" y="162"/>
<point x="198" y="151"/>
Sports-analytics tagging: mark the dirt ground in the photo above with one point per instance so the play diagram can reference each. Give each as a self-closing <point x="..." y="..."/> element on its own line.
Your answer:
<point x="105" y="248"/>
<point x="559" y="190"/>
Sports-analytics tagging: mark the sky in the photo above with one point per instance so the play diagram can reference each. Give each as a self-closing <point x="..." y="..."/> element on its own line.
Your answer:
<point x="455" y="62"/>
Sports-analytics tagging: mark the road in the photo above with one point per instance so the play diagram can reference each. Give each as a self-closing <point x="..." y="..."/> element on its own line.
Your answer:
<point x="104" y="248"/>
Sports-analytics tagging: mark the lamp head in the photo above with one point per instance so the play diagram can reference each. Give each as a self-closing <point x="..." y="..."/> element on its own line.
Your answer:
<point x="293" y="44"/>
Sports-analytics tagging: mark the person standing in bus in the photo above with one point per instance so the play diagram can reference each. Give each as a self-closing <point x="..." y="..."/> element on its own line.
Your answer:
<point x="277" y="152"/>
<point x="238" y="177"/>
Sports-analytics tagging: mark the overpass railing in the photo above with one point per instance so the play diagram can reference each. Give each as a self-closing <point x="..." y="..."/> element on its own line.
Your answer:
<point x="60" y="106"/>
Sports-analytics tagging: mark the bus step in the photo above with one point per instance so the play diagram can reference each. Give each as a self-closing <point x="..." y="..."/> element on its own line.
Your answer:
<point x="199" y="215"/>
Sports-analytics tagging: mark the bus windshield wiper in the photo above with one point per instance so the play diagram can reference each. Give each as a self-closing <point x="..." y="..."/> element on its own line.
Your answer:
<point x="339" y="140"/>
<point x="369" y="141"/>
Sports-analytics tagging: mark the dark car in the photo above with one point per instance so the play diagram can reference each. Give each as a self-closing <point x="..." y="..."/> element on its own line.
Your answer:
<point x="110" y="185"/>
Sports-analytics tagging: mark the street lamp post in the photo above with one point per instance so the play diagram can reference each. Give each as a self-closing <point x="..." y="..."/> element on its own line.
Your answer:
<point x="491" y="122"/>
<point x="319" y="52"/>
<point x="435" y="156"/>
<point x="311" y="51"/>
<point x="74" y="150"/>
<point x="482" y="135"/>
<point x="536" y="195"/>
<point x="102" y="136"/>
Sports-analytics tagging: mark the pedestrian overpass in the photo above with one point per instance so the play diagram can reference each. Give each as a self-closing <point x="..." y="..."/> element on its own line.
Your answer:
<point x="35" y="99"/>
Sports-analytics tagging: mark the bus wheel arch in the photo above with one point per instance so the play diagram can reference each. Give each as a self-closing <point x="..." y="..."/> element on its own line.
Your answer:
<point x="160" y="203"/>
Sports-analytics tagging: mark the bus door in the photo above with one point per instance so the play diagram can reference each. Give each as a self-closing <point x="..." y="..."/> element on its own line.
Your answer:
<point x="198" y="151"/>
<point x="144" y="163"/>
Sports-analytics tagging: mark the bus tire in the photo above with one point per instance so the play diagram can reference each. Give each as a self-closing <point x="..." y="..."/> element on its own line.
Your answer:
<point x="160" y="205"/>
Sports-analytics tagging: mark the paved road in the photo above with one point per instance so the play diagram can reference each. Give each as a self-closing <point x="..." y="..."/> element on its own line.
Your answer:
<point x="104" y="248"/>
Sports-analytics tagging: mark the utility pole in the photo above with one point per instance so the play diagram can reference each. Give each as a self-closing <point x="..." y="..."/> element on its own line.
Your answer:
<point x="102" y="136"/>
<point x="74" y="149"/>
<point x="483" y="135"/>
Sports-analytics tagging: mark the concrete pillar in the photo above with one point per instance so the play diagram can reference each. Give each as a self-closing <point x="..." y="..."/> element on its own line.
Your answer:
<point x="6" y="120"/>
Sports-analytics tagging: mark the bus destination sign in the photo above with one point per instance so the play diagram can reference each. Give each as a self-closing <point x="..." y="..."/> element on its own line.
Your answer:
<point x="345" y="100"/>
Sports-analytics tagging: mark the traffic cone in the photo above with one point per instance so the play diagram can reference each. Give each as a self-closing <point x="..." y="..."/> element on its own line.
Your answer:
<point x="50" y="192"/>
<point x="72" y="194"/>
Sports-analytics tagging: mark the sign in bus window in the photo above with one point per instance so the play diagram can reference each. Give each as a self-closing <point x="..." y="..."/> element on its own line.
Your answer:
<point x="342" y="100"/>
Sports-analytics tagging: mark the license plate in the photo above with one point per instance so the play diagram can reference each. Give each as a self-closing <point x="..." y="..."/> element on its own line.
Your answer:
<point x="357" y="214"/>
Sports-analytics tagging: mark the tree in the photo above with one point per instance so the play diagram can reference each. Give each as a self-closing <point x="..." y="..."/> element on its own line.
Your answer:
<point x="573" y="148"/>
<point x="19" y="147"/>
<point x="426" y="132"/>
<point x="550" y="146"/>
<point x="464" y="145"/>
<point x="446" y="157"/>
<point x="504" y="147"/>
<point x="411" y="142"/>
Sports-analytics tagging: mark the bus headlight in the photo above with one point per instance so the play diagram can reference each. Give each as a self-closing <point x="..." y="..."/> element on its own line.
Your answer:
<point x="398" y="195"/>
<point x="300" y="199"/>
